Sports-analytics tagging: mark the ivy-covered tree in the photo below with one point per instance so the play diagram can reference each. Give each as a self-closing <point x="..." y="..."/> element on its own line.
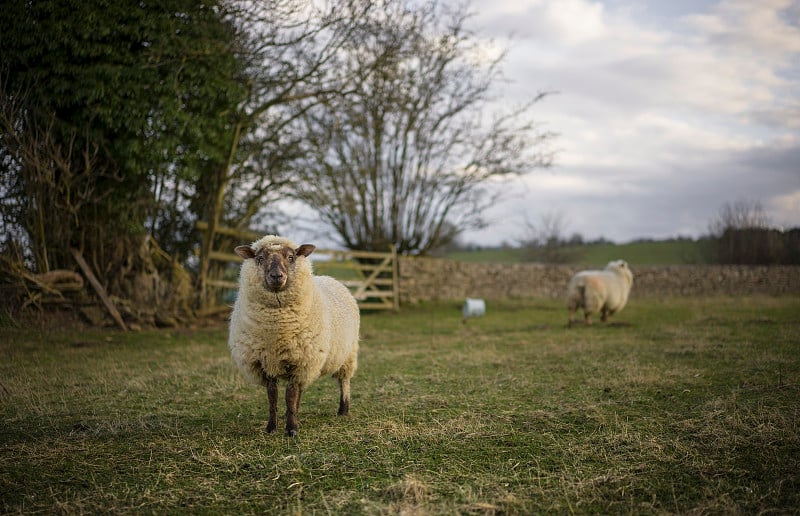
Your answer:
<point x="109" y="110"/>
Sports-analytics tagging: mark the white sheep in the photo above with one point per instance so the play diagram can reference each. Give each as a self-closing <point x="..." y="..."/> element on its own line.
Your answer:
<point x="603" y="291"/>
<point x="291" y="325"/>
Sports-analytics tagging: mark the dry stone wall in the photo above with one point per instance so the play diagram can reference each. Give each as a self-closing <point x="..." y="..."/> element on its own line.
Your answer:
<point x="433" y="279"/>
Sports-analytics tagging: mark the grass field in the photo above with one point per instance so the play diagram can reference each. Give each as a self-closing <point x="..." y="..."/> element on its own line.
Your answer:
<point x="680" y="406"/>
<point x="665" y="252"/>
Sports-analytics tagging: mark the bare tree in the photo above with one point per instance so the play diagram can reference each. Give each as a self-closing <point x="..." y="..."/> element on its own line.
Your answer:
<point x="549" y="231"/>
<point x="742" y="235"/>
<point x="739" y="214"/>
<point x="545" y="241"/>
<point x="406" y="156"/>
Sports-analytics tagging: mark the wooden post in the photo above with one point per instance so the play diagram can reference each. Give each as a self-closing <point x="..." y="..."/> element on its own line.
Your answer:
<point x="395" y="280"/>
<point x="207" y="245"/>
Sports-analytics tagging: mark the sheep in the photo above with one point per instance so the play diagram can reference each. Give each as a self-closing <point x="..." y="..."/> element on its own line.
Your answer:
<point x="288" y="324"/>
<point x="605" y="291"/>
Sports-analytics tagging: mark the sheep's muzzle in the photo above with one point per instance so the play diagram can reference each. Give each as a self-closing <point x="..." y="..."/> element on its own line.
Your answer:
<point x="275" y="272"/>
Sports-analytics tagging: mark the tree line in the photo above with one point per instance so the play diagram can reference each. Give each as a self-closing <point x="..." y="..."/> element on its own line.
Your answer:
<point x="743" y="234"/>
<point x="123" y="124"/>
<point x="740" y="233"/>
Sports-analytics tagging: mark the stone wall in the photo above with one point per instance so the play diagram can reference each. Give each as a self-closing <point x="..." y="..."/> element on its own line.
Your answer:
<point x="434" y="279"/>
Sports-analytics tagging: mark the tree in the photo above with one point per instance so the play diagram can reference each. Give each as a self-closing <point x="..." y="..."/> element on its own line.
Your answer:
<point x="545" y="242"/>
<point x="405" y="156"/>
<point x="740" y="214"/>
<point x="743" y="235"/>
<point x="108" y="108"/>
<point x="289" y="49"/>
<point x="158" y="115"/>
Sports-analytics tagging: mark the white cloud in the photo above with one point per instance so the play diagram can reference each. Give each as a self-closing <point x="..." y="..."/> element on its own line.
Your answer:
<point x="786" y="208"/>
<point x="661" y="120"/>
<point x="760" y="30"/>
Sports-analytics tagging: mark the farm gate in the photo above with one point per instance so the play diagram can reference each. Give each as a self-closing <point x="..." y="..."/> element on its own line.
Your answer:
<point x="372" y="277"/>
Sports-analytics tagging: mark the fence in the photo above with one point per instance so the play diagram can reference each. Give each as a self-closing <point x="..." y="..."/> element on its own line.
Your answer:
<point x="372" y="277"/>
<point x="436" y="279"/>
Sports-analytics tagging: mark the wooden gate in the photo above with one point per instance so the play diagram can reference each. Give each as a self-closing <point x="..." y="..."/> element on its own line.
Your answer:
<point x="370" y="276"/>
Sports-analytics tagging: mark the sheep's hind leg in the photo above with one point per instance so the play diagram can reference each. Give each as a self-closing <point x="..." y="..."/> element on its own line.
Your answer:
<point x="344" y="396"/>
<point x="272" y="394"/>
<point x="293" y="394"/>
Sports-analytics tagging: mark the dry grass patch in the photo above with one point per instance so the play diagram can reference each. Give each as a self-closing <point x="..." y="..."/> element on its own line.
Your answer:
<point x="690" y="406"/>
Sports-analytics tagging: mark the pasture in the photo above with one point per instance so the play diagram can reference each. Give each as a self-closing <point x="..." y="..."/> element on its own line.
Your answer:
<point x="676" y="406"/>
<point x="663" y="252"/>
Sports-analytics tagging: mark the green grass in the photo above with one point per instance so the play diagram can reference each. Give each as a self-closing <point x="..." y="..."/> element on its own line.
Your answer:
<point x="678" y="406"/>
<point x="666" y="252"/>
<point x="495" y="255"/>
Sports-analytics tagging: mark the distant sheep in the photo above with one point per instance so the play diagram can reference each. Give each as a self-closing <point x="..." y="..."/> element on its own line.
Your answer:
<point x="603" y="291"/>
<point x="290" y="325"/>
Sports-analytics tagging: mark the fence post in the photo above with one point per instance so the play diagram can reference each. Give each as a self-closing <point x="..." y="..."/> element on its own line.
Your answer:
<point x="395" y="279"/>
<point x="369" y="286"/>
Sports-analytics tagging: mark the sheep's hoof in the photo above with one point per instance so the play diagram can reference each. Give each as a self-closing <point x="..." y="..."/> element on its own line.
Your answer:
<point x="270" y="428"/>
<point x="291" y="432"/>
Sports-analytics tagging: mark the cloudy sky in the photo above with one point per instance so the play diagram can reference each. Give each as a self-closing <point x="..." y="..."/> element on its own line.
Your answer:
<point x="665" y="111"/>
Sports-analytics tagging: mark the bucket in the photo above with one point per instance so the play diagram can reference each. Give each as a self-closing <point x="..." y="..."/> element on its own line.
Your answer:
<point x="473" y="308"/>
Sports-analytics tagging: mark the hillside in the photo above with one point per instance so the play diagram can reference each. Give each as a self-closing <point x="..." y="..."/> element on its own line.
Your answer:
<point x="664" y="252"/>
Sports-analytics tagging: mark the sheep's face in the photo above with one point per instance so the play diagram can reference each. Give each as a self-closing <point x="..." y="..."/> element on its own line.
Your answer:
<point x="621" y="268"/>
<point x="617" y="264"/>
<point x="275" y="263"/>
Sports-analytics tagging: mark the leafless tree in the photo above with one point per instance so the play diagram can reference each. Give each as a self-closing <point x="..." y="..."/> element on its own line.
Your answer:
<point x="549" y="231"/>
<point x="546" y="240"/>
<point x="289" y="48"/>
<point x="405" y="156"/>
<point x="739" y="214"/>
<point x="742" y="235"/>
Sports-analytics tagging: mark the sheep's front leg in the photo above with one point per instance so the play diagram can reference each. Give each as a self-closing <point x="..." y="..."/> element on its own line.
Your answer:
<point x="272" y="394"/>
<point x="344" y="396"/>
<point x="293" y="394"/>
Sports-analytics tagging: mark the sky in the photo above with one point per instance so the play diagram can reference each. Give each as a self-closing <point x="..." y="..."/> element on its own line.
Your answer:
<point x="665" y="111"/>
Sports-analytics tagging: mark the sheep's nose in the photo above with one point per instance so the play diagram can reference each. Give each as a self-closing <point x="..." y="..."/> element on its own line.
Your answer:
<point x="276" y="275"/>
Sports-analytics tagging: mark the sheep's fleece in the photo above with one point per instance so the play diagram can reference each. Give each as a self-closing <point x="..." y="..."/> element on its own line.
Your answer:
<point x="603" y="291"/>
<point x="307" y="329"/>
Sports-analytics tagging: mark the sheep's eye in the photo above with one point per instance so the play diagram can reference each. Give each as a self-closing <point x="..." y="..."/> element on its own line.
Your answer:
<point x="259" y="260"/>
<point x="291" y="258"/>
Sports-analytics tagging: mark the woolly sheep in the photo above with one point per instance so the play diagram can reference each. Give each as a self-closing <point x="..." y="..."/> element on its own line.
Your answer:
<point x="288" y="324"/>
<point x="605" y="291"/>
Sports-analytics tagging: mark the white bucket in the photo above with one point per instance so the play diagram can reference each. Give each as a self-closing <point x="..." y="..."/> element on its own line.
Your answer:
<point x="473" y="308"/>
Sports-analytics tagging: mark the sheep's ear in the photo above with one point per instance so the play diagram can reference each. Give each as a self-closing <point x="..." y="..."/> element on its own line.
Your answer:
<point x="245" y="252"/>
<point x="305" y="250"/>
